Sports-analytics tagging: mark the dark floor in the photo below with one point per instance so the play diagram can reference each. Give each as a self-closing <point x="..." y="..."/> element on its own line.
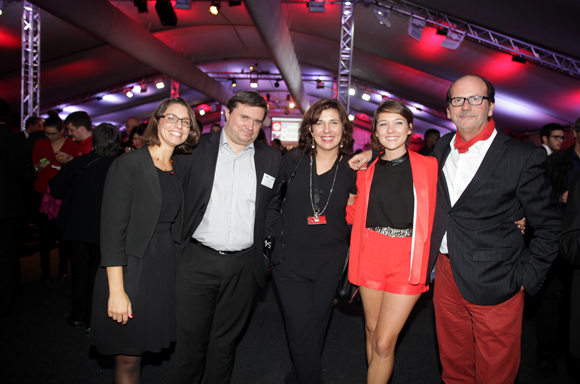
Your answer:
<point x="39" y="347"/>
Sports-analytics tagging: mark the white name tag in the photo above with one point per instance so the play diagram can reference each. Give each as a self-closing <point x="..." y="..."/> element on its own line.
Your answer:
<point x="268" y="181"/>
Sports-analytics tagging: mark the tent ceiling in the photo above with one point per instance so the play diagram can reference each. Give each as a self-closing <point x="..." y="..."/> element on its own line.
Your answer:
<point x="76" y="64"/>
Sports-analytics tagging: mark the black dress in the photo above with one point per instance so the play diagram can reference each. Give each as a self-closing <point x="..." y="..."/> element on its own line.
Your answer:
<point x="312" y="260"/>
<point x="150" y="284"/>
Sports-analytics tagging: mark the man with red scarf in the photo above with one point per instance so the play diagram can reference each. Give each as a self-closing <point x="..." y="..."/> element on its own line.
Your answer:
<point x="487" y="181"/>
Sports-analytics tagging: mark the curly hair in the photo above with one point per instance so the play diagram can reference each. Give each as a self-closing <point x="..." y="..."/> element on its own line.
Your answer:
<point x="311" y="117"/>
<point x="151" y="135"/>
<point x="389" y="106"/>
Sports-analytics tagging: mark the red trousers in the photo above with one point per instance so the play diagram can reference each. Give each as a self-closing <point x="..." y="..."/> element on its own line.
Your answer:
<point x="477" y="343"/>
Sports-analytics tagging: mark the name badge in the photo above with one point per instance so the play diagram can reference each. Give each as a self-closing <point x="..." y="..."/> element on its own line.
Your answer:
<point x="268" y="181"/>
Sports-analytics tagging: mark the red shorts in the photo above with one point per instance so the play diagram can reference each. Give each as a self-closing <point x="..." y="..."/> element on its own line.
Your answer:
<point x="385" y="264"/>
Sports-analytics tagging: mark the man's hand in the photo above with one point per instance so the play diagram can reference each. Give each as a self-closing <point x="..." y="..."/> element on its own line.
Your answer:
<point x="521" y="224"/>
<point x="62" y="157"/>
<point x="564" y="198"/>
<point x="358" y="162"/>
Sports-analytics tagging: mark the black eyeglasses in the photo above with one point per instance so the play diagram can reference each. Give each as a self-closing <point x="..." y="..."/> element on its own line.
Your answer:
<point x="473" y="100"/>
<point x="172" y="119"/>
<point x="563" y="138"/>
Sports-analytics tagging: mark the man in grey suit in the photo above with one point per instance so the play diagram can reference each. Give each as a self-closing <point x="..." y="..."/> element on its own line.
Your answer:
<point x="487" y="181"/>
<point x="232" y="200"/>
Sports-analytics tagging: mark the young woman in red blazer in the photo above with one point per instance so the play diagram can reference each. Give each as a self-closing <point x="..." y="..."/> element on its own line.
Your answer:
<point x="392" y="219"/>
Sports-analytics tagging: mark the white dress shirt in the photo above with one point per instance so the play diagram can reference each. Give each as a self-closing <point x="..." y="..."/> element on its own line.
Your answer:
<point x="459" y="170"/>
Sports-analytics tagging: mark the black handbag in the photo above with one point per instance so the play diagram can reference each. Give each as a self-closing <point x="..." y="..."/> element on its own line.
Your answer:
<point x="346" y="291"/>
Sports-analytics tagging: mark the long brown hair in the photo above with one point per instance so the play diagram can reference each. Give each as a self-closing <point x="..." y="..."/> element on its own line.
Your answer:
<point x="311" y="117"/>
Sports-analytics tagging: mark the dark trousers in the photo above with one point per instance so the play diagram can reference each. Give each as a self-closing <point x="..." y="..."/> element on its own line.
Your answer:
<point x="8" y="261"/>
<point x="214" y="297"/>
<point x="307" y="295"/>
<point x="85" y="261"/>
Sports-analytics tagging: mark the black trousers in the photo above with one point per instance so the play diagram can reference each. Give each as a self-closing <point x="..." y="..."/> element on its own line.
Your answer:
<point x="85" y="260"/>
<point x="214" y="297"/>
<point x="307" y="291"/>
<point x="8" y="261"/>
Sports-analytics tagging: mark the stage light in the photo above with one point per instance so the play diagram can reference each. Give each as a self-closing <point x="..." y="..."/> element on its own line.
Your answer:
<point x="234" y="84"/>
<point x="235" y="3"/>
<point x="288" y="97"/>
<point x="276" y="84"/>
<point x="214" y="8"/>
<point x="137" y="88"/>
<point x="201" y="112"/>
<point x="316" y="6"/>
<point x="351" y="117"/>
<point x="519" y="59"/>
<point x="366" y="97"/>
<point x="291" y="105"/>
<point x="268" y="96"/>
<point x="351" y="92"/>
<point x="319" y="84"/>
<point x="129" y="93"/>
<point x="253" y="83"/>
<point x="453" y="40"/>
<point x="160" y="85"/>
<point x="383" y="17"/>
<point x="109" y="98"/>
<point x="141" y="6"/>
<point x="166" y="12"/>
<point x="415" y="29"/>
<point x="183" y="4"/>
<point x="144" y="88"/>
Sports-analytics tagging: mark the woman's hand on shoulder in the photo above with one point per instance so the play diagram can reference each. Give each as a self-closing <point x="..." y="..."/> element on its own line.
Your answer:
<point x="358" y="162"/>
<point x="119" y="307"/>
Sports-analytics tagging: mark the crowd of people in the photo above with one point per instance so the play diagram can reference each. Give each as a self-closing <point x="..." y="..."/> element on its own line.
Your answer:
<point x="171" y="233"/>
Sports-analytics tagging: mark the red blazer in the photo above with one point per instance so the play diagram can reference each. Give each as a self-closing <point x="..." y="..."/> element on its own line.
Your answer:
<point x="43" y="149"/>
<point x="424" y="170"/>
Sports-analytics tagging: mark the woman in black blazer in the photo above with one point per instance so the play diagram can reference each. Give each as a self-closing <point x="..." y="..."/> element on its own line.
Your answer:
<point x="141" y="220"/>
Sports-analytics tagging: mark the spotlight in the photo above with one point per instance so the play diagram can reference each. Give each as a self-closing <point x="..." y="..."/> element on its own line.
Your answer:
<point x="144" y="88"/>
<point x="268" y="96"/>
<point x="141" y="6"/>
<point x="291" y="105"/>
<point x="383" y="17"/>
<point x="129" y="93"/>
<point x="286" y="111"/>
<point x="416" y="28"/>
<point x="235" y="3"/>
<point x="276" y="84"/>
<point x="441" y="32"/>
<point x="366" y="97"/>
<point x="319" y="84"/>
<point x="253" y="83"/>
<point x="160" y="85"/>
<point x="288" y="97"/>
<point x="109" y="97"/>
<point x="519" y="59"/>
<point x="137" y="88"/>
<point x="183" y="4"/>
<point x="351" y="117"/>
<point x="234" y="84"/>
<point x="351" y="92"/>
<point x="166" y="12"/>
<point x="214" y="8"/>
<point x="453" y="40"/>
<point x="316" y="6"/>
<point x="201" y="112"/>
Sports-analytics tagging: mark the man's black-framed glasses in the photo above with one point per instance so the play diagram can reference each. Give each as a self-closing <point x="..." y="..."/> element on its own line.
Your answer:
<point x="473" y="100"/>
<point x="172" y="119"/>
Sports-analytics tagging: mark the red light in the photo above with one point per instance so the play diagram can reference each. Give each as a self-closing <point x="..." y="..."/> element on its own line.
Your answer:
<point x="8" y="39"/>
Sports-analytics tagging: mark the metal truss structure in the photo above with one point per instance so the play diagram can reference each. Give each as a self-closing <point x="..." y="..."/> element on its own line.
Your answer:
<point x="346" y="51"/>
<point x="484" y="36"/>
<point x="30" y="83"/>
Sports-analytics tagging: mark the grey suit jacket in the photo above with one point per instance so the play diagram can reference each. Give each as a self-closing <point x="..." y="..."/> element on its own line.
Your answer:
<point x="198" y="170"/>
<point x="131" y="208"/>
<point x="489" y="259"/>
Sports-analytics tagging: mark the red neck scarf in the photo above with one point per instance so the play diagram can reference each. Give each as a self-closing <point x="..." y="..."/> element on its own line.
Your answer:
<point x="463" y="146"/>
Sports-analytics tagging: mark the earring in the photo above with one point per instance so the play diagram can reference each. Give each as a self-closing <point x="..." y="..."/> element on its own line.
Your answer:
<point x="313" y="144"/>
<point x="340" y="143"/>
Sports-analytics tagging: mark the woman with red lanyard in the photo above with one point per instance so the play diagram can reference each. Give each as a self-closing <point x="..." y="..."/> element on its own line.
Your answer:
<point x="392" y="219"/>
<point x="46" y="166"/>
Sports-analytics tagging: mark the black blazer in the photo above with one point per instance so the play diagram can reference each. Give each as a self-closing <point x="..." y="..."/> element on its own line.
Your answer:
<point x="489" y="259"/>
<point x="198" y="169"/>
<point x="16" y="173"/>
<point x="79" y="217"/>
<point x="131" y="208"/>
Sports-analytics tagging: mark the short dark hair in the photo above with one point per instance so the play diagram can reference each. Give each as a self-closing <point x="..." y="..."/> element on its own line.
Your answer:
<point x="151" y="134"/>
<point x="311" y="117"/>
<point x="4" y="111"/>
<point x="490" y="89"/>
<point x="79" y="118"/>
<point x="549" y="128"/>
<point x="251" y="98"/>
<point x="389" y="106"/>
<point x="53" y="122"/>
<point x="106" y="140"/>
<point x="431" y="132"/>
<point x="138" y="130"/>
<point x="31" y="121"/>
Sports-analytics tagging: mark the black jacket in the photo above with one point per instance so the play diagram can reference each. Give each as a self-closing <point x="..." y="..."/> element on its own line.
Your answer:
<point x="558" y="166"/>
